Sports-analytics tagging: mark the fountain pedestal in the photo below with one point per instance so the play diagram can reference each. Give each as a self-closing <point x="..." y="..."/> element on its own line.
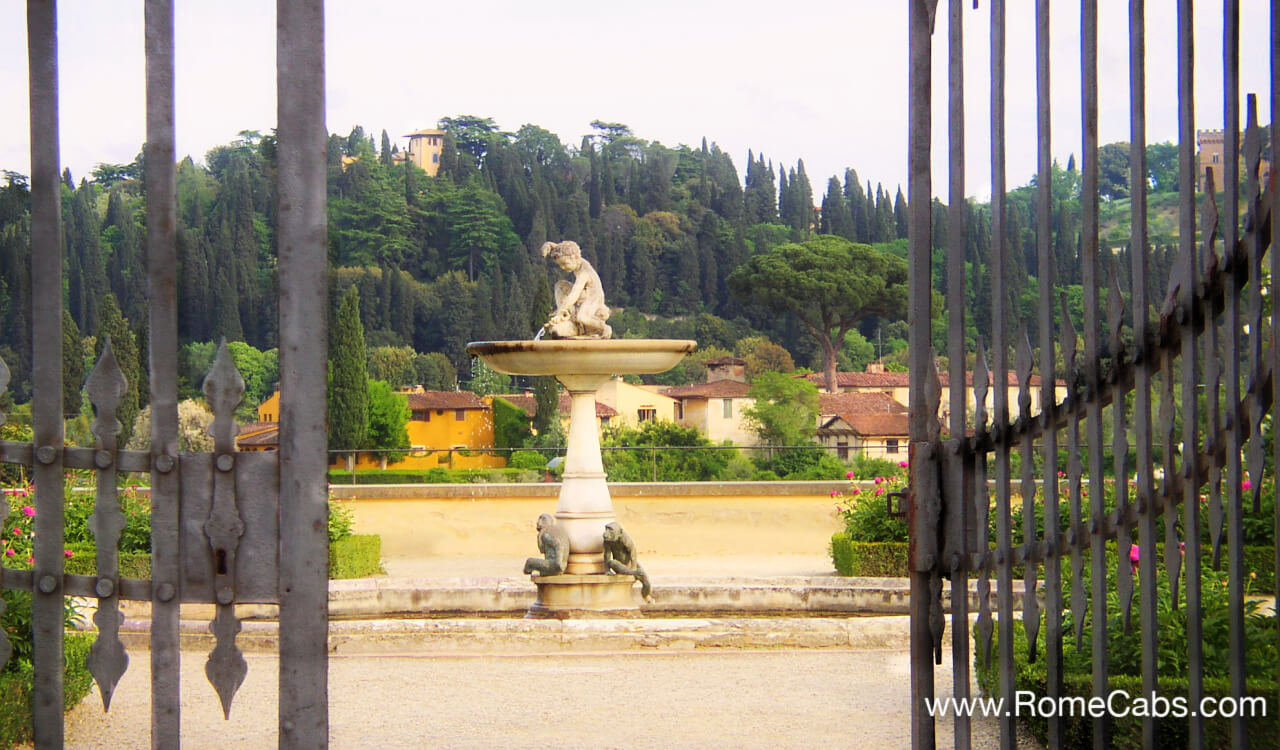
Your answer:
<point x="582" y="366"/>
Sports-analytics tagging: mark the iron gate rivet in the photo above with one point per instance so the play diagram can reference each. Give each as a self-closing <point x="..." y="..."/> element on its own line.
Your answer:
<point x="287" y="725"/>
<point x="165" y="592"/>
<point x="225" y="595"/>
<point x="45" y="454"/>
<point x="47" y="584"/>
<point x="102" y="459"/>
<point x="104" y="587"/>
<point x="226" y="462"/>
<point x="164" y="463"/>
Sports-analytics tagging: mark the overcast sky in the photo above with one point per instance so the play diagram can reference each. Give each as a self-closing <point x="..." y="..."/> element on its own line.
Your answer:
<point x="821" y="80"/>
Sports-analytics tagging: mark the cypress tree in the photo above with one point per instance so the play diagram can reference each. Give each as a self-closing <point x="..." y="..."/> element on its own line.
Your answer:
<point x="348" y="378"/>
<point x="114" y="326"/>
<point x="73" y="373"/>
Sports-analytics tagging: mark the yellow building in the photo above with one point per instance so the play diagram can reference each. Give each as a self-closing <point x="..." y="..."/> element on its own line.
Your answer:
<point x="447" y="429"/>
<point x="716" y="410"/>
<point x="1210" y="158"/>
<point x="868" y="424"/>
<point x="605" y="414"/>
<point x="425" y="148"/>
<point x="634" y="404"/>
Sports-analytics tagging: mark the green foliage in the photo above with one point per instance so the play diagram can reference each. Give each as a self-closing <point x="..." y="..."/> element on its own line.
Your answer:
<point x="870" y="559"/>
<point x="546" y="398"/>
<point x="511" y="427"/>
<point x="485" y="380"/>
<point x="762" y="355"/>
<point x="785" y="411"/>
<point x="828" y="283"/>
<point x="16" y="682"/>
<point x="865" y="511"/>
<point x="394" y="364"/>
<point x="114" y="327"/>
<point x="434" y="372"/>
<point x="435" y="476"/>
<point x="661" y="465"/>
<point x="341" y="521"/>
<point x="355" y="556"/>
<point x="527" y="460"/>
<point x="388" y="420"/>
<point x="348" y="379"/>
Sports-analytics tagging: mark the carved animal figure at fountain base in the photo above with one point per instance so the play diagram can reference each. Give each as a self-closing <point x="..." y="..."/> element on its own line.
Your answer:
<point x="620" y="557"/>
<point x="553" y="543"/>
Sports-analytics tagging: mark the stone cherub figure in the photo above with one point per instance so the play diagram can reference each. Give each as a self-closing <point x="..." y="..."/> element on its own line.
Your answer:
<point x="620" y="557"/>
<point x="580" y="309"/>
<point x="553" y="543"/>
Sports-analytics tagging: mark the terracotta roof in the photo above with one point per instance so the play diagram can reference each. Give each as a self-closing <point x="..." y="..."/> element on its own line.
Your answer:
<point x="423" y="400"/>
<point x="527" y="402"/>
<point x="903" y="379"/>
<point x="265" y="437"/>
<point x="874" y="402"/>
<point x="895" y="424"/>
<point x="717" y="389"/>
<point x="725" y="361"/>
<point x="255" y="427"/>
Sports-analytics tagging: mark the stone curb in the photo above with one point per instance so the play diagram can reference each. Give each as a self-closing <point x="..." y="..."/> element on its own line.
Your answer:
<point x="449" y="636"/>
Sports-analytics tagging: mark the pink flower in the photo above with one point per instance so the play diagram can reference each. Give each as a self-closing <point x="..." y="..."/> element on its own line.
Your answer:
<point x="1246" y="485"/>
<point x="68" y="553"/>
<point x="848" y="475"/>
<point x="1061" y="474"/>
<point x="10" y="552"/>
<point x="835" y="493"/>
<point x="16" y="531"/>
<point x="878" y="480"/>
<point x="30" y="560"/>
<point x="856" y="491"/>
<point x="879" y="491"/>
<point x="28" y="511"/>
<point x="903" y="464"/>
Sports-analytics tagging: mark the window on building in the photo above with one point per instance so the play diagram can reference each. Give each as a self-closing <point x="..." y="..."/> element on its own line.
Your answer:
<point x="728" y="408"/>
<point x="460" y="415"/>
<point x="647" y="414"/>
<point x="435" y="158"/>
<point x="1215" y="158"/>
<point x="842" y="450"/>
<point x="891" y="445"/>
<point x="679" y="410"/>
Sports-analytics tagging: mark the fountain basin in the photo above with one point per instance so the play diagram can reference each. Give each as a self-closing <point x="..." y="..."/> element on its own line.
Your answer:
<point x="567" y="357"/>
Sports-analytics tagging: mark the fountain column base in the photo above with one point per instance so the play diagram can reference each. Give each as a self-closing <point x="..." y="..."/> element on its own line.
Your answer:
<point x="584" y="596"/>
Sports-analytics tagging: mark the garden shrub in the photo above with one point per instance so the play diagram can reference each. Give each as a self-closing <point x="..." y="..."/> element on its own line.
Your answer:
<point x="355" y="556"/>
<point x="870" y="559"/>
<point x="527" y="460"/>
<point x="15" y="689"/>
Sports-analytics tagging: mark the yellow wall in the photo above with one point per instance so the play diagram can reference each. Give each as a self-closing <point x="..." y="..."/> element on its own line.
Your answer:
<point x="269" y="410"/>
<point x="436" y="436"/>
<point x="627" y="400"/>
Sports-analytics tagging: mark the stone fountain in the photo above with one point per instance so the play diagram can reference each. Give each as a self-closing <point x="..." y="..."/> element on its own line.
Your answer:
<point x="575" y="347"/>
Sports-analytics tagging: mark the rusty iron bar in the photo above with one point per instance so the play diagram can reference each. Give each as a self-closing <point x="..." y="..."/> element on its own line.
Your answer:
<point x="301" y="208"/>
<point x="958" y="509"/>
<point x="161" y="202"/>
<point x="46" y="373"/>
<point x="1234" y="443"/>
<point x="1139" y="252"/>
<point x="1046" y="272"/>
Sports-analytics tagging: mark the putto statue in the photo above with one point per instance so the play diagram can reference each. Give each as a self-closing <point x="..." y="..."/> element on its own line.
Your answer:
<point x="580" y="309"/>
<point x="553" y="543"/>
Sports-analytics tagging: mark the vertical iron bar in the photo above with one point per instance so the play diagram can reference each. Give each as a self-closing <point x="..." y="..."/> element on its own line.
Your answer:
<point x="1186" y="247"/>
<point x="304" y="607"/>
<point x="1275" y="274"/>
<point x="1092" y="281"/>
<point x="161" y="199"/>
<point x="46" y="372"/>
<point x="1235" y="431"/>
<point x="1048" y="393"/>
<point x="1147" y="600"/>
<point x="920" y="189"/>
<point x="958" y="491"/>
<point x="1000" y="372"/>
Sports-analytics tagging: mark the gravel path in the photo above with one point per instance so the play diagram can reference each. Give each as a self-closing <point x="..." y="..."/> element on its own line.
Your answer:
<point x="723" y="699"/>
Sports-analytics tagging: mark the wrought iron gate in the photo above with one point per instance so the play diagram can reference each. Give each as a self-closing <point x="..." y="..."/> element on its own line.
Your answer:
<point x="1186" y="381"/>
<point x="227" y="527"/>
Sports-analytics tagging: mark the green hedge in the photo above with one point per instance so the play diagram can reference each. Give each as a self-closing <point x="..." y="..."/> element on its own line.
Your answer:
<point x="1126" y="732"/>
<point x="15" y="690"/>
<point x="355" y="556"/>
<point x="871" y="559"/>
<point x="434" y="476"/>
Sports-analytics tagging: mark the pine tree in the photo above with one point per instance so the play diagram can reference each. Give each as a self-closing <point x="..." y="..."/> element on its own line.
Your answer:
<point x="900" y="213"/>
<point x="385" y="154"/>
<point x="114" y="326"/>
<point x="73" y="373"/>
<point x="348" y="379"/>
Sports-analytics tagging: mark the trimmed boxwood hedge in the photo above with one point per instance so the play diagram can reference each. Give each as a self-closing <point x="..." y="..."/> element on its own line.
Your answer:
<point x="355" y="556"/>
<point x="15" y="689"/>
<point x="871" y="559"/>
<point x="435" y="476"/>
